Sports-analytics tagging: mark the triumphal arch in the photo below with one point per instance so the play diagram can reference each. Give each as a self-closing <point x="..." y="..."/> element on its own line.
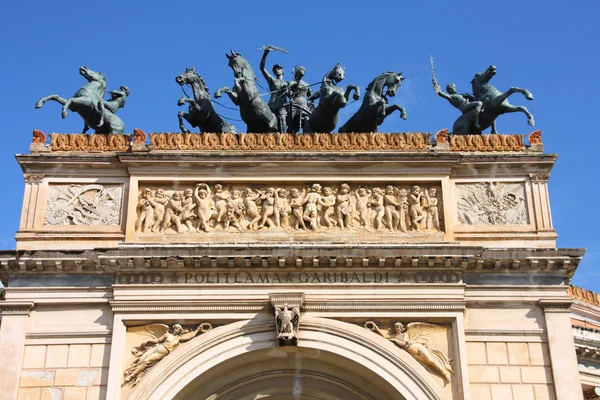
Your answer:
<point x="287" y="266"/>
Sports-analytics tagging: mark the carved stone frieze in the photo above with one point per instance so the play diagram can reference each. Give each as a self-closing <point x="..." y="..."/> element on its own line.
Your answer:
<point x="487" y="142"/>
<point x="286" y="142"/>
<point x="160" y="342"/>
<point x="82" y="204"/>
<point x="411" y="338"/>
<point x="200" y="209"/>
<point x="492" y="203"/>
<point x="92" y="143"/>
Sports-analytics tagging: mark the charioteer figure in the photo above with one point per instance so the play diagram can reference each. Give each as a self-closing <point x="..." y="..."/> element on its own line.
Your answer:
<point x="465" y="102"/>
<point x="297" y="109"/>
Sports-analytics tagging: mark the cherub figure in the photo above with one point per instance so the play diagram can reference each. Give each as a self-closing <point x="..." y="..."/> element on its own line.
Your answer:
<point x="158" y="200"/>
<point x="250" y="198"/>
<point x="204" y="206"/>
<point x="268" y="208"/>
<point x="235" y="211"/>
<point x="417" y="213"/>
<point x="411" y="339"/>
<point x="173" y="212"/>
<point x="161" y="343"/>
<point x="296" y="202"/>
<point x="390" y="201"/>
<point x="344" y="209"/>
<point x="311" y="211"/>
<point x="187" y="212"/>
<point x="146" y="218"/>
<point x="466" y="103"/>
<point x="433" y="218"/>
<point x="327" y="203"/>
<point x="362" y="206"/>
<point x="377" y="205"/>
<point x="220" y="197"/>
<point x="282" y="208"/>
<point x="403" y="210"/>
<point x="286" y="321"/>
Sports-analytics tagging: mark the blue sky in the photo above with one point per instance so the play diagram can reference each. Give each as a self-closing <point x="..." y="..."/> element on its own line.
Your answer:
<point x="548" y="47"/>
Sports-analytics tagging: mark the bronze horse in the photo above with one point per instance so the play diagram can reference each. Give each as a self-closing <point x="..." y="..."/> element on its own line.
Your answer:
<point x="254" y="111"/>
<point x="495" y="103"/>
<point x="332" y="98"/>
<point x="374" y="107"/>
<point x="201" y="112"/>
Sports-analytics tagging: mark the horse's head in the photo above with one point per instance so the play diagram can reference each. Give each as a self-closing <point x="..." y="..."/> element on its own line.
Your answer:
<point x="393" y="81"/>
<point x="240" y="66"/>
<point x="482" y="78"/>
<point x="190" y="77"/>
<point x="337" y="74"/>
<point x="92" y="76"/>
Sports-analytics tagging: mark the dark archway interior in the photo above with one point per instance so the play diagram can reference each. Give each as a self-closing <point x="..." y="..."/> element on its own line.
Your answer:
<point x="289" y="373"/>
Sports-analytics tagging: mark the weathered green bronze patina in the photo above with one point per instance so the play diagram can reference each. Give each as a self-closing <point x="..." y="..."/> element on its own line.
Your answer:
<point x="332" y="98"/>
<point x="89" y="103"/>
<point x="375" y="106"/>
<point x="487" y="103"/>
<point x="201" y="112"/>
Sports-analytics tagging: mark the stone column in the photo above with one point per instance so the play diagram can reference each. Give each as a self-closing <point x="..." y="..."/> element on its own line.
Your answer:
<point x="541" y="202"/>
<point x="565" y="371"/>
<point x="12" y="346"/>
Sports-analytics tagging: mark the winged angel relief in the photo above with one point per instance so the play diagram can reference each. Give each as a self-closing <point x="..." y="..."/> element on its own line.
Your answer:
<point x="413" y="341"/>
<point x="160" y="344"/>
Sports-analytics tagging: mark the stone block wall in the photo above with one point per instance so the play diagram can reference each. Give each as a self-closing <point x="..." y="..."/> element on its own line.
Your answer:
<point x="510" y="370"/>
<point x="64" y="372"/>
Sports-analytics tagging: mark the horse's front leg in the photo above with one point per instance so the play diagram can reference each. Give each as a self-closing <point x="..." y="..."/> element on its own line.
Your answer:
<point x="394" y="107"/>
<point x="494" y="127"/>
<point x="510" y="109"/>
<point x="498" y="100"/>
<point x="356" y="90"/>
<point x="184" y="100"/>
<point x="232" y="96"/>
<point x="181" y="115"/>
<point x="54" y="97"/>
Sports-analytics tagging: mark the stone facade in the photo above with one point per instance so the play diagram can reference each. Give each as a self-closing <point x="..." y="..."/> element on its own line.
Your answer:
<point x="343" y="266"/>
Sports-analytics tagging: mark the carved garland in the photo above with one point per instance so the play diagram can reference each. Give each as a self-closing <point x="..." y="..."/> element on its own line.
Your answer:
<point x="286" y="142"/>
<point x="95" y="142"/>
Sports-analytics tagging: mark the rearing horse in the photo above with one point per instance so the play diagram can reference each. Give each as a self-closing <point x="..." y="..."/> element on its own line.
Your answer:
<point x="331" y="99"/>
<point x="201" y="112"/>
<point x="254" y="111"/>
<point x="374" y="107"/>
<point x="86" y="101"/>
<point x="495" y="103"/>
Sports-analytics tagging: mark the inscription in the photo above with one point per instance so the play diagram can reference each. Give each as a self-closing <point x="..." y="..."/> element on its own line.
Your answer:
<point x="311" y="278"/>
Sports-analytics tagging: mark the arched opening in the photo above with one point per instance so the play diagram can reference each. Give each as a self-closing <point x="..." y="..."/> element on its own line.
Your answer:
<point x="302" y="373"/>
<point x="333" y="360"/>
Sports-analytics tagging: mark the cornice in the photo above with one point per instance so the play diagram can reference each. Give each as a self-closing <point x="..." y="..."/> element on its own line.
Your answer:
<point x="15" y="308"/>
<point x="433" y="263"/>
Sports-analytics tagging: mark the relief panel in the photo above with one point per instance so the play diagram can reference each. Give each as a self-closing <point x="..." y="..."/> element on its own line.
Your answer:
<point x="84" y="204"/>
<point x="201" y="209"/>
<point x="492" y="204"/>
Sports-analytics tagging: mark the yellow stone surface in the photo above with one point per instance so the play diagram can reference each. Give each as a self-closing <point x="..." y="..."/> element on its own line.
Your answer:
<point x="496" y="354"/>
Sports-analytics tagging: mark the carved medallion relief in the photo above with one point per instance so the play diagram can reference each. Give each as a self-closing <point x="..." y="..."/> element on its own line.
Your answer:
<point x="81" y="204"/>
<point x="492" y="203"/>
<point x="200" y="208"/>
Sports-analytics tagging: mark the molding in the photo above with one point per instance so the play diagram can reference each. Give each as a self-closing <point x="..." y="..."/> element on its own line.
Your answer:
<point x="329" y="306"/>
<point x="278" y="300"/>
<point x="556" y="305"/>
<point x="68" y="335"/>
<point x="14" y="308"/>
<point x="225" y="307"/>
